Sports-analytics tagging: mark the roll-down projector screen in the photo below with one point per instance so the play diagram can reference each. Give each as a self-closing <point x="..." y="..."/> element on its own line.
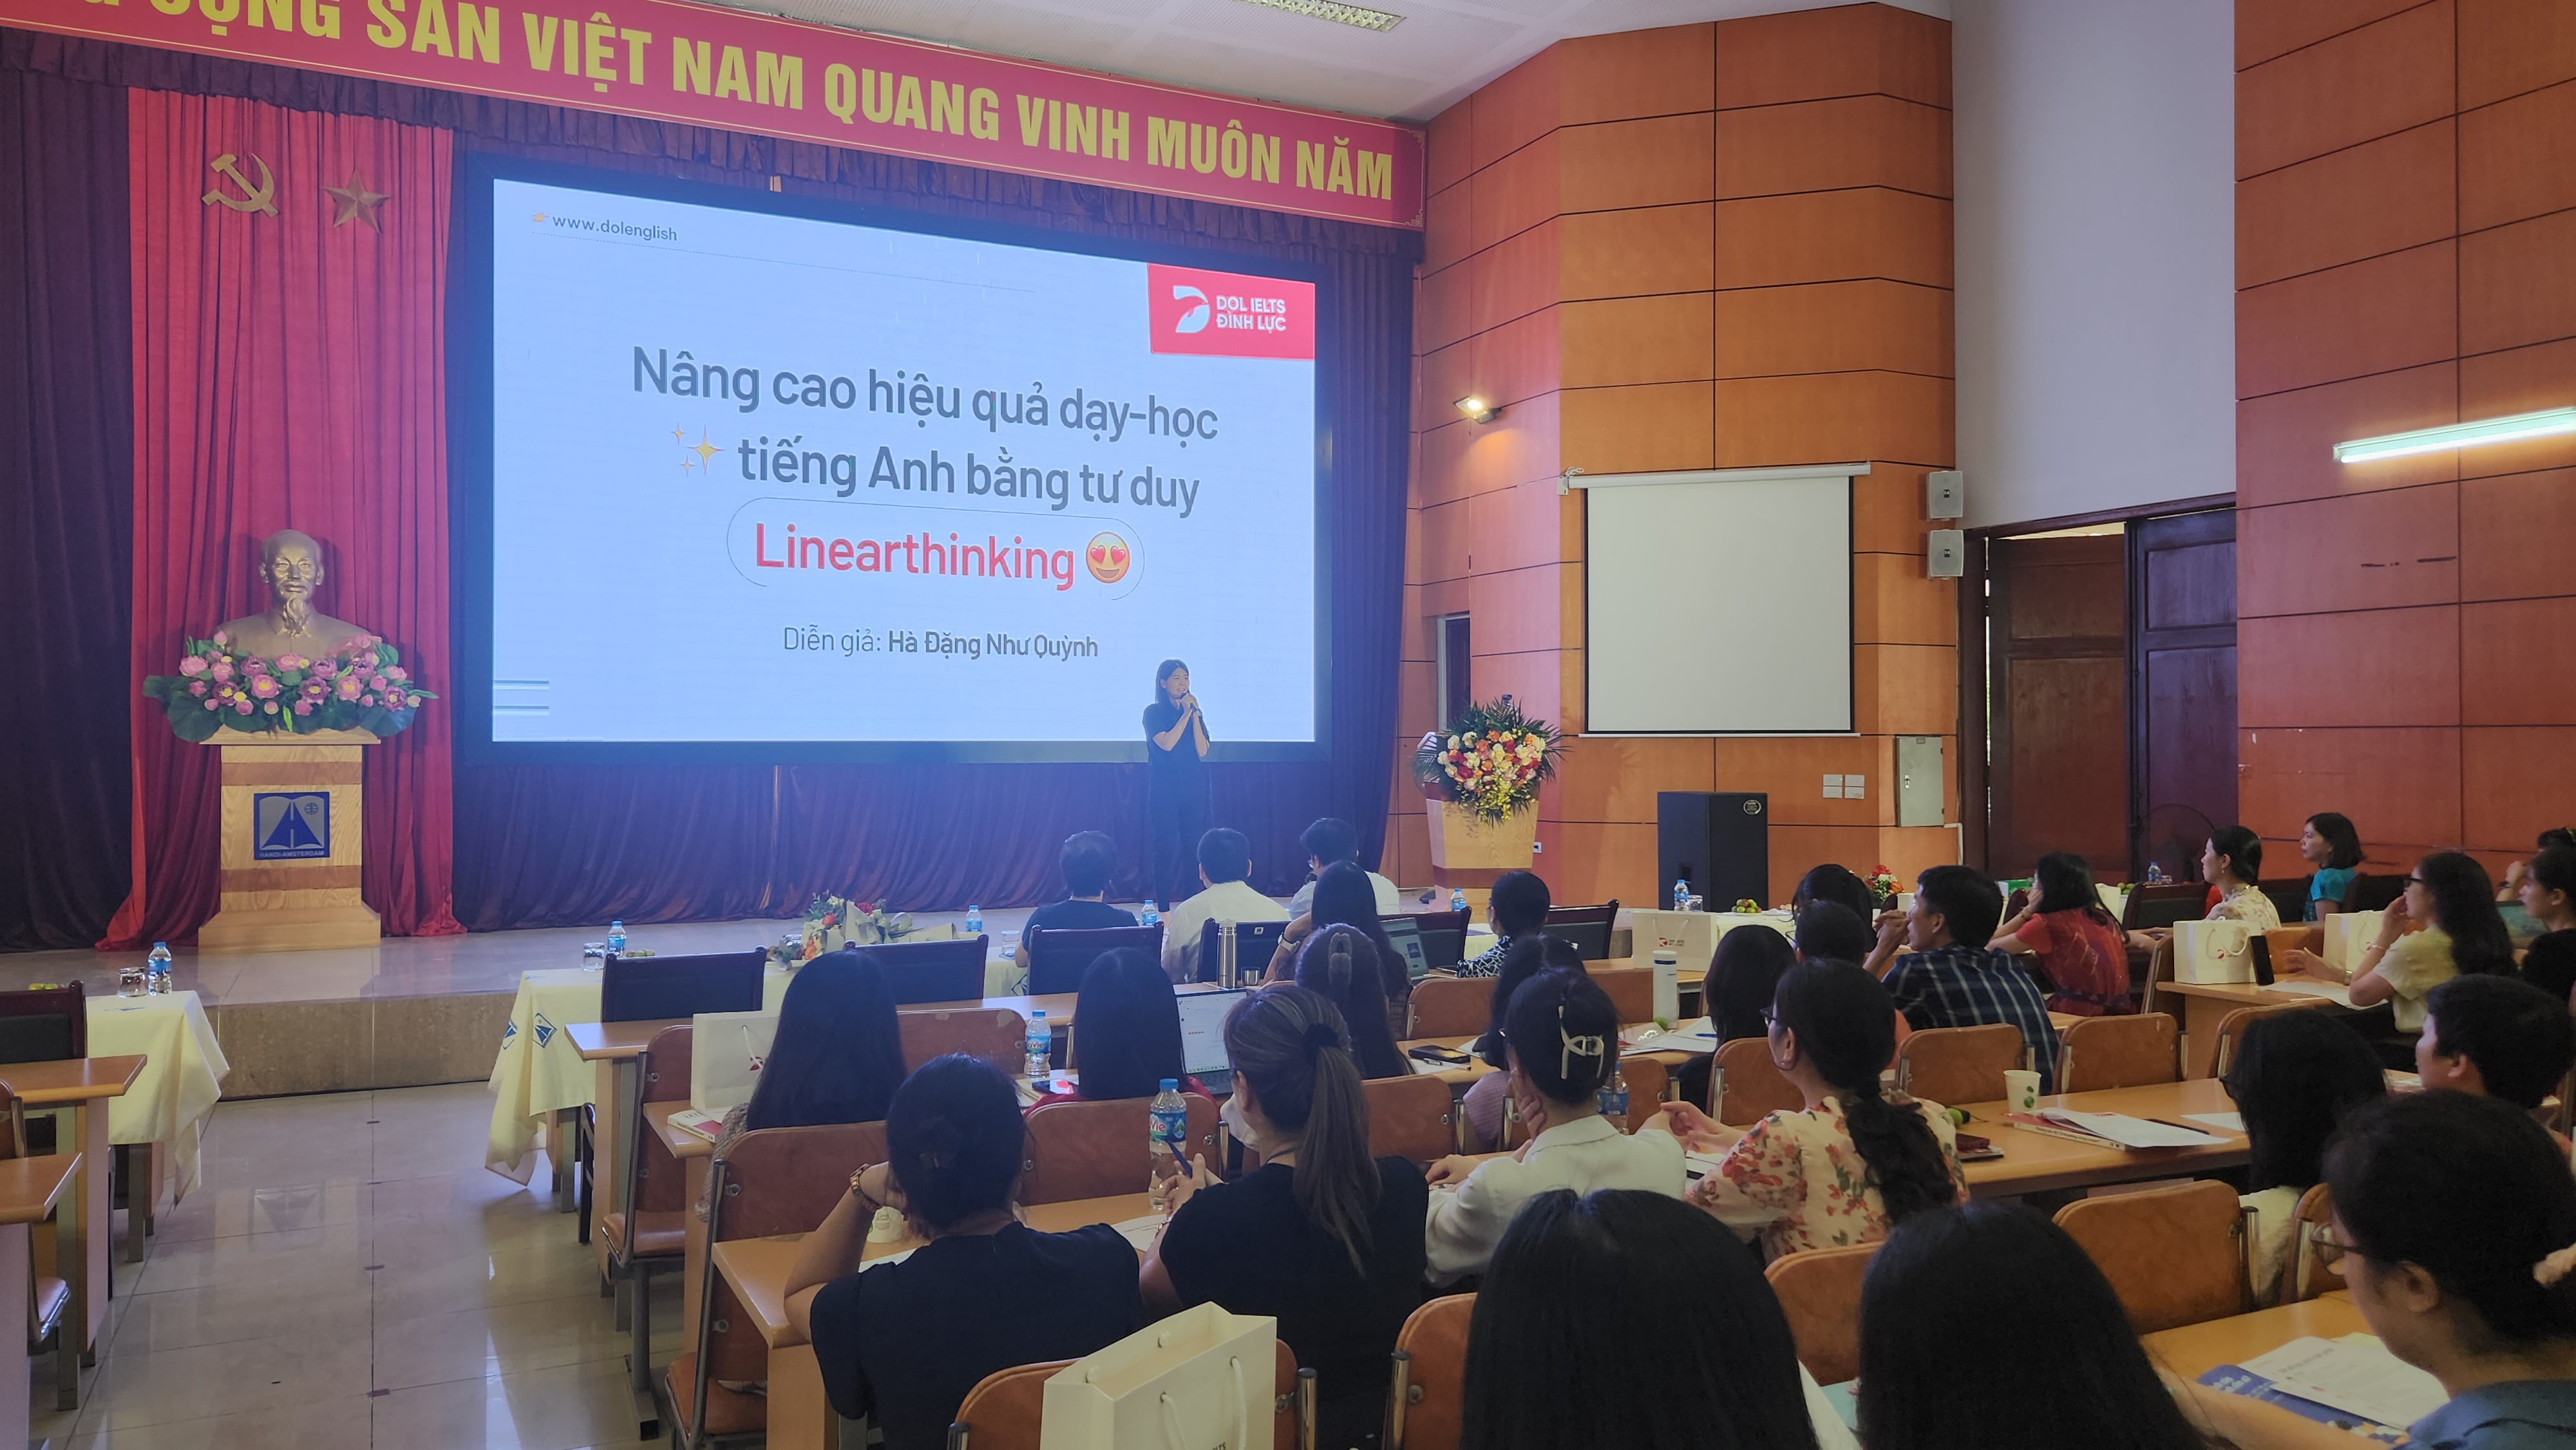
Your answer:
<point x="1718" y="607"/>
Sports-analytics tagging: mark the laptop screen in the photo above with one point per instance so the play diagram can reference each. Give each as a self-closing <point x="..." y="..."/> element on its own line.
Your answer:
<point x="1203" y="1053"/>
<point x="1406" y="934"/>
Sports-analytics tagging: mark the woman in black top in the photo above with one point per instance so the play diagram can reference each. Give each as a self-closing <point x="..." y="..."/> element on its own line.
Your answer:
<point x="2549" y="894"/>
<point x="1319" y="1236"/>
<point x="1176" y="791"/>
<point x="902" y="1343"/>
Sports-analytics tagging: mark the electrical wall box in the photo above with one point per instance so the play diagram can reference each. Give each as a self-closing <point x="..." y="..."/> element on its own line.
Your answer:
<point x="1945" y="554"/>
<point x="1945" y="494"/>
<point x="1919" y="780"/>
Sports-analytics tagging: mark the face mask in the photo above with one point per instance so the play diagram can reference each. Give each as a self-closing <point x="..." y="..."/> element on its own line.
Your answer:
<point x="1231" y="1114"/>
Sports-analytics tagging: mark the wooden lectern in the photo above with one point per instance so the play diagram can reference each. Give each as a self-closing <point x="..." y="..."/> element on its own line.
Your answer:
<point x="294" y="829"/>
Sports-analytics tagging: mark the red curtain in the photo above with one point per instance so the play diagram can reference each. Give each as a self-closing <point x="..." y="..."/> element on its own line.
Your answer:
<point x="289" y="372"/>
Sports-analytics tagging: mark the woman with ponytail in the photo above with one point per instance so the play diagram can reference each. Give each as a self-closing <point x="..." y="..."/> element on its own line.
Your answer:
<point x="903" y="1343"/>
<point x="1319" y="1236"/>
<point x="1852" y="1163"/>
<point x="1342" y="965"/>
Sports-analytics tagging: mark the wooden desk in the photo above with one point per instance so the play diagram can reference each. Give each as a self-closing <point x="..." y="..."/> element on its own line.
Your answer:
<point x="2037" y="1162"/>
<point x="800" y="1418"/>
<point x="697" y="1154"/>
<point x="615" y="1052"/>
<point x="80" y="1087"/>
<point x="29" y="1190"/>
<point x="2196" y="1349"/>
<point x="2204" y="1006"/>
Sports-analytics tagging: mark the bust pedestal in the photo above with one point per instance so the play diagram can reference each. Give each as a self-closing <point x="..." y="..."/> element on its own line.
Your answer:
<point x="293" y="830"/>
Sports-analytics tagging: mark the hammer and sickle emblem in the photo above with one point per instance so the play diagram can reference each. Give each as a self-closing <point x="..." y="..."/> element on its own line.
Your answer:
<point x="253" y="198"/>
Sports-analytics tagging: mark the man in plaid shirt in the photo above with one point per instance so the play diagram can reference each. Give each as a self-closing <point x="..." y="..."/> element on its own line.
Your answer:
<point x="1949" y="977"/>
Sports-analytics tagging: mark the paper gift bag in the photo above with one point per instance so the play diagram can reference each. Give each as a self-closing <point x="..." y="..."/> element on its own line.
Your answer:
<point x="2210" y="952"/>
<point x="2348" y="934"/>
<point x="1200" y="1380"/>
<point x="725" y="1053"/>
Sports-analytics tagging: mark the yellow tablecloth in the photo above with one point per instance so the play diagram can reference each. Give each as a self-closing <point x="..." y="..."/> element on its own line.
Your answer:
<point x="183" y="1074"/>
<point x="538" y="1072"/>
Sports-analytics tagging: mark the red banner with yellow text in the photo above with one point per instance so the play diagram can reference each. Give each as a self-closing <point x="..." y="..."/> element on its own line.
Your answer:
<point x="705" y="65"/>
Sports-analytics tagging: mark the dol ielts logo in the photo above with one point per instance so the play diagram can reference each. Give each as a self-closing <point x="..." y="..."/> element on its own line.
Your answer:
<point x="1194" y="320"/>
<point x="1199" y="313"/>
<point x="1108" y="557"/>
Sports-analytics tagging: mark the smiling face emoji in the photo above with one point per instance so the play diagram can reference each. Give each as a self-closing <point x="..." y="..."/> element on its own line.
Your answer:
<point x="1108" y="558"/>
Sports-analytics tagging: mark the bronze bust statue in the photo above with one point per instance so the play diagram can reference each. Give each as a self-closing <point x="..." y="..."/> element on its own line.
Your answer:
<point x="290" y="564"/>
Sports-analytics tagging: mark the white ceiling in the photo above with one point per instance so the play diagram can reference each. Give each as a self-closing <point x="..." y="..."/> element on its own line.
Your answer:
<point x="1443" y="51"/>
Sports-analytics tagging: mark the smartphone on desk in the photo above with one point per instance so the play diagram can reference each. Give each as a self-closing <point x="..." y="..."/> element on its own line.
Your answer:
<point x="1973" y="1149"/>
<point x="1435" y="1053"/>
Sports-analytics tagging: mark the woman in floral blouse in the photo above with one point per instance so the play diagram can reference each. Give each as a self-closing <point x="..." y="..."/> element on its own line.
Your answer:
<point x="1850" y="1164"/>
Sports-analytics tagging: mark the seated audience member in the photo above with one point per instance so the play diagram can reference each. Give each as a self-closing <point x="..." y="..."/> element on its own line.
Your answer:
<point x="2454" y="1223"/>
<point x="1319" y="1236"/>
<point x="1225" y="862"/>
<point x="1829" y="931"/>
<point x="1998" y="1284"/>
<point x="1329" y="841"/>
<point x="837" y="1058"/>
<point x="1562" y="1040"/>
<point x="1744" y="974"/>
<point x="1126" y="1033"/>
<point x="1837" y="884"/>
<point x="2231" y="861"/>
<point x="1342" y="966"/>
<point x="1559" y="1356"/>
<point x="1517" y="907"/>
<point x="1485" y="1102"/>
<point x="2548" y="894"/>
<point x="2294" y="1078"/>
<point x="1343" y="897"/>
<point x="2518" y="921"/>
<point x="1949" y="977"/>
<point x="2329" y="843"/>
<point x="2450" y="894"/>
<point x="2078" y="946"/>
<point x="2496" y="1037"/>
<point x="904" y="1342"/>
<point x="1090" y="858"/>
<point x="1789" y="1181"/>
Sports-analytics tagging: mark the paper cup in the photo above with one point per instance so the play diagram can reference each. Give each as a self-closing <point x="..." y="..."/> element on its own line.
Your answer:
<point x="2021" y="1090"/>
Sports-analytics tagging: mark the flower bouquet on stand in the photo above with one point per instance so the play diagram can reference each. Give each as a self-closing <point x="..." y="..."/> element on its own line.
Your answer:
<point x="1481" y="776"/>
<point x="360" y="685"/>
<point x="834" y="922"/>
<point x="1882" y="884"/>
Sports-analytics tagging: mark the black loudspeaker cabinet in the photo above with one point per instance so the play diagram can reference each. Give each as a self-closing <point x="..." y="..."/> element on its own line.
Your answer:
<point x="1718" y="841"/>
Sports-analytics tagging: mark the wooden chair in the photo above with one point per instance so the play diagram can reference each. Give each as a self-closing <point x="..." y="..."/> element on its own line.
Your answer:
<point x="1747" y="1087"/>
<point x="650" y="989"/>
<point x="1648" y="1084"/>
<point x="50" y="1320"/>
<point x="1094" y="1150"/>
<point x="2304" y="1274"/>
<point x="1450" y="1007"/>
<point x="997" y="1035"/>
<point x="651" y="1232"/>
<point x="1426" y="1398"/>
<point x="45" y="1024"/>
<point x="1819" y="1290"/>
<point x="2163" y="904"/>
<point x="1631" y="989"/>
<point x="1955" y="1065"/>
<point x="770" y="1181"/>
<point x="1002" y="1412"/>
<point x="933" y="971"/>
<point x="2231" y="1029"/>
<point x="2289" y="898"/>
<point x="2175" y="1256"/>
<point x="1584" y="928"/>
<point x="1057" y="959"/>
<point x="2368" y="892"/>
<point x="2118" y="1052"/>
<point x="1411" y="1117"/>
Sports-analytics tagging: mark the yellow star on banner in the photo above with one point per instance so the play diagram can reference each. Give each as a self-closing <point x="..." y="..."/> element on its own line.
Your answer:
<point x="706" y="451"/>
<point x="353" y="202"/>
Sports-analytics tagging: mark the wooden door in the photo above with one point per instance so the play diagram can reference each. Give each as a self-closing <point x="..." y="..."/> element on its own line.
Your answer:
<point x="2182" y="654"/>
<point x="2058" y="732"/>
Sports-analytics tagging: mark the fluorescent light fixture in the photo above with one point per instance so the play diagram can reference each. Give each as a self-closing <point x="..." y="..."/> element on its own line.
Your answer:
<point x="1480" y="411"/>
<point x="1337" y="12"/>
<point x="2458" y="435"/>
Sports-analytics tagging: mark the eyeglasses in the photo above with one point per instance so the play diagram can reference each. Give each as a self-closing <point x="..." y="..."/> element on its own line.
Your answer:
<point x="2331" y="1250"/>
<point x="1770" y="1019"/>
<point x="2417" y="881"/>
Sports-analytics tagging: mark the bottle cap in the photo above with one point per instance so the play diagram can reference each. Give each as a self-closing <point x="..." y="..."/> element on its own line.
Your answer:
<point x="1171" y="1084"/>
<point x="1038" y="1016"/>
<point x="160" y="946"/>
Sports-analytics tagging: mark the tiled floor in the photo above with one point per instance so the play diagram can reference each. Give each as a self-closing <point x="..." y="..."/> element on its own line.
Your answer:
<point x="351" y="1276"/>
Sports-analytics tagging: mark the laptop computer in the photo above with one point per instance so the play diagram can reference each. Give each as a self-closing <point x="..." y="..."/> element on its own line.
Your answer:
<point x="1203" y="1054"/>
<point x="1407" y="937"/>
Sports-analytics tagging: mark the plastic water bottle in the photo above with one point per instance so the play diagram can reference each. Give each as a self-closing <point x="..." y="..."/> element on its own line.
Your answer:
<point x="2155" y="874"/>
<point x="1457" y="899"/>
<point x="1167" y="1133"/>
<point x="1681" y="894"/>
<point x="974" y="921"/>
<point x="160" y="967"/>
<point x="617" y="938"/>
<point x="1150" y="918"/>
<point x="1614" y="1096"/>
<point x="1041" y="1049"/>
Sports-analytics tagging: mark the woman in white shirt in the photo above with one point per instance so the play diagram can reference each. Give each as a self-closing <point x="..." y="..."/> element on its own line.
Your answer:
<point x="2231" y="861"/>
<point x="1561" y="1040"/>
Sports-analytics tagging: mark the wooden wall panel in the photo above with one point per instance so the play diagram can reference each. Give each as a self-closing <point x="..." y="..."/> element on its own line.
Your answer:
<point x="1835" y="418"/>
<point x="2378" y="197"/>
<point x="2508" y="47"/>
<point x="2513" y="663"/>
<point x="2397" y="311"/>
<point x="1636" y="429"/>
<point x="1849" y="141"/>
<point x="1620" y="340"/>
<point x="2513" y="536"/>
<point x="2519" y="380"/>
<point x="2397" y="785"/>
<point x="1833" y="236"/>
<point x="2514" y="783"/>
<point x="1850" y="50"/>
<point x="2365" y="551"/>
<point x="2371" y="667"/>
<point x="2518" y="284"/>
<point x="1835" y="327"/>
<point x="2285" y="441"/>
<point x="2277" y="28"/>
<point x="2518" y="157"/>
<point x="2357" y="86"/>
<point x="1666" y="72"/>
<point x="1657" y="161"/>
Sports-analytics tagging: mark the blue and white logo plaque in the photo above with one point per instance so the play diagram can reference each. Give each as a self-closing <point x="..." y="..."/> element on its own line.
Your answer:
<point x="290" y="825"/>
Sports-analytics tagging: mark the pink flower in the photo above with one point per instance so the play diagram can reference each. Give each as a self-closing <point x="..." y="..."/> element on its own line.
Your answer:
<point x="413" y="702"/>
<point x="219" y="636"/>
<point x="192" y="666"/>
<point x="223" y="669"/>
<point x="375" y="682"/>
<point x="197" y="687"/>
<point x="303" y="707"/>
<point x="211" y="705"/>
<point x="314" y="689"/>
<point x="325" y="669"/>
<point x="270" y="707"/>
<point x="369" y="700"/>
<point x="292" y="662"/>
<point x="351" y="687"/>
<point x="255" y="666"/>
<point x="264" y="687"/>
<point x="396" y="672"/>
<point x="241" y="707"/>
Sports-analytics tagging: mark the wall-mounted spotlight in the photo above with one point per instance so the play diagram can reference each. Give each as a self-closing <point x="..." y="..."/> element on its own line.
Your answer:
<point x="1477" y="409"/>
<point x="2458" y="435"/>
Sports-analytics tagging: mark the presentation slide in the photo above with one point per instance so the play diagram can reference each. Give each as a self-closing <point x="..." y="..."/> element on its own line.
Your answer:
<point x="767" y="478"/>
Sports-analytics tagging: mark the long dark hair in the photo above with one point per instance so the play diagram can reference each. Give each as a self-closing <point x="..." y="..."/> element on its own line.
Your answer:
<point x="838" y="1055"/>
<point x="2065" y="883"/>
<point x="1291" y="1045"/>
<point x="1341" y="964"/>
<point x="1743" y="976"/>
<point x="2343" y="843"/>
<point x="1838" y="884"/>
<point x="2294" y="1078"/>
<point x="2468" y="1189"/>
<point x="1344" y="896"/>
<point x="2244" y="852"/>
<point x="2464" y="907"/>
<point x="1163" y="672"/>
<point x="1560" y="1358"/>
<point x="1980" y="1285"/>
<point x="1127" y="1027"/>
<point x="1565" y="1034"/>
<point x="1529" y="954"/>
<point x="1845" y="1024"/>
<point x="953" y="1140"/>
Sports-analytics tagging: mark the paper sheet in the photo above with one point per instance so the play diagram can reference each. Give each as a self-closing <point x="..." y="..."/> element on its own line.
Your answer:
<point x="2335" y="992"/>
<point x="2224" y="1122"/>
<point x="2355" y="1374"/>
<point x="1696" y="1035"/>
<point x="1141" y="1231"/>
<point x="2129" y="1132"/>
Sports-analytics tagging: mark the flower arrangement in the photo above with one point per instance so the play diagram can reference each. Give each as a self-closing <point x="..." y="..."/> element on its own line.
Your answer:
<point x="1490" y="759"/>
<point x="360" y="685"/>
<point x="1882" y="884"/>
<point x="833" y="922"/>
